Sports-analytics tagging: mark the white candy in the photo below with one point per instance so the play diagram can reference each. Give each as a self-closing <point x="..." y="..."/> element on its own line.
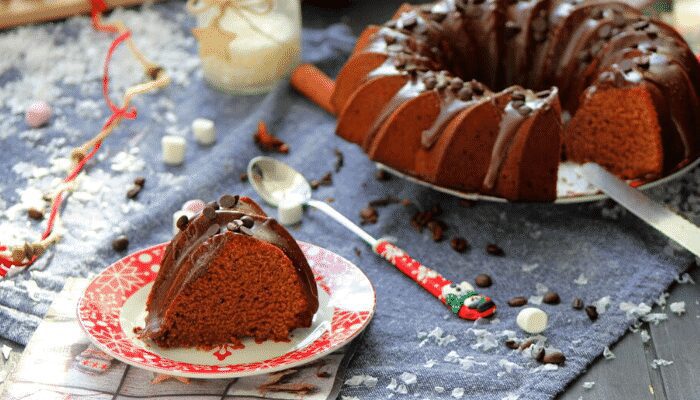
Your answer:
<point x="173" y="149"/>
<point x="177" y="216"/>
<point x="532" y="320"/>
<point x="290" y="211"/>
<point x="204" y="131"/>
<point x="38" y="114"/>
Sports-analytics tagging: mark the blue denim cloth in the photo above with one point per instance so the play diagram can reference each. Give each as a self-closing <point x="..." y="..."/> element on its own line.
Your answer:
<point x="623" y="259"/>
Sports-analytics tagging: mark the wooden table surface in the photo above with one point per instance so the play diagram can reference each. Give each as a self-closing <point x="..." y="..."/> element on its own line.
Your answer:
<point x="629" y="375"/>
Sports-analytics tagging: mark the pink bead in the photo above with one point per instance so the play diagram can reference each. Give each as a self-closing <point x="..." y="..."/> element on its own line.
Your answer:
<point x="194" y="206"/>
<point x="38" y="114"/>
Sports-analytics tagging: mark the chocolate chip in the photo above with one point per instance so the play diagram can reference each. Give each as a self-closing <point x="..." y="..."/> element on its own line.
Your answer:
<point x="368" y="215"/>
<point x="517" y="301"/>
<point x="325" y="180"/>
<point x="248" y="221"/>
<point x="209" y="212"/>
<point x="551" y="298"/>
<point x="382" y="175"/>
<point x="478" y="88"/>
<point x="466" y="93"/>
<point x="357" y="251"/>
<point x="213" y="205"/>
<point x="133" y="192"/>
<point x="228" y="201"/>
<point x="494" y="250"/>
<point x="339" y="159"/>
<point x="483" y="280"/>
<point x="459" y="244"/>
<point x="597" y="14"/>
<point x="577" y="304"/>
<point x="512" y="29"/>
<point x="554" y="357"/>
<point x="182" y="222"/>
<point x="643" y="63"/>
<point x="121" y="243"/>
<point x="592" y="313"/>
<point x="35" y="214"/>
<point x="512" y="344"/>
<point x="525" y="110"/>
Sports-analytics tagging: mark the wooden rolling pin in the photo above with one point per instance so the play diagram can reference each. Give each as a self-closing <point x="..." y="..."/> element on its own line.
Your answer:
<point x="20" y="12"/>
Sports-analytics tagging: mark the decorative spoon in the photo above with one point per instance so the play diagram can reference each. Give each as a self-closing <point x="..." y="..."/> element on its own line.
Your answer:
<point x="277" y="182"/>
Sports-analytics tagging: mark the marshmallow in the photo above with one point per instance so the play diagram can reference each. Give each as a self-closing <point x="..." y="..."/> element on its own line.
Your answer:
<point x="290" y="211"/>
<point x="38" y="114"/>
<point x="173" y="149"/>
<point x="532" y="320"/>
<point x="204" y="131"/>
<point x="193" y="206"/>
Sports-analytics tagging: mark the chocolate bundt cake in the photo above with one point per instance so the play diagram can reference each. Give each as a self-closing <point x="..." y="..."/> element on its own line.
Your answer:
<point x="441" y="92"/>
<point x="231" y="272"/>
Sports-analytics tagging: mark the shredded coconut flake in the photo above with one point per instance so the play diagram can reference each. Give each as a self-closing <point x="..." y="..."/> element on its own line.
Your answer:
<point x="609" y="355"/>
<point x="588" y="385"/>
<point x="602" y="304"/>
<point x="644" y="335"/>
<point x="430" y="363"/>
<point x="661" y="301"/>
<point x="635" y="311"/>
<point x="439" y="389"/>
<point x="457" y="393"/>
<point x="408" y="378"/>
<point x="659" y="362"/>
<point x="581" y="280"/>
<point x="366" y="380"/>
<point x="6" y="350"/>
<point x="530" y="267"/>
<point x="508" y="366"/>
<point x="655" y="318"/>
<point x="678" y="307"/>
<point x="485" y="340"/>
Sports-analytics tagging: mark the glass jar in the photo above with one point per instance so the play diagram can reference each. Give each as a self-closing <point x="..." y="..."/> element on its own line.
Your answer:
<point x="247" y="46"/>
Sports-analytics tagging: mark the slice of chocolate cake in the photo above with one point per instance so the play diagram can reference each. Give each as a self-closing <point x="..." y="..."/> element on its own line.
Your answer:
<point x="230" y="273"/>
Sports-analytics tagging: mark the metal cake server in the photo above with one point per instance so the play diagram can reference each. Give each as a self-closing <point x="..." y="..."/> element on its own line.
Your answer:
<point x="276" y="181"/>
<point x="661" y="218"/>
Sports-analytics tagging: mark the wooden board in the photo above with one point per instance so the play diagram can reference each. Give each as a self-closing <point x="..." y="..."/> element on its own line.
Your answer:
<point x="20" y="12"/>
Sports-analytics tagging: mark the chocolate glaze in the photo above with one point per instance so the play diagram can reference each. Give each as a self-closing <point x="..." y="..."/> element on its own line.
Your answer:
<point x="174" y="274"/>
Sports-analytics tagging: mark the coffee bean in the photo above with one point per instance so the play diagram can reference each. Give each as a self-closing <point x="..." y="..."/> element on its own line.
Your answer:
<point x="512" y="344"/>
<point x="436" y="229"/>
<point x="526" y="344"/>
<point x="133" y="192"/>
<point x="551" y="298"/>
<point x="456" y="83"/>
<point x="368" y="215"/>
<point x="35" y="214"/>
<point x="228" y="201"/>
<point x="517" y="301"/>
<point x="248" y="221"/>
<point x="121" y="243"/>
<point x="592" y="313"/>
<point x="140" y="181"/>
<point x="577" y="304"/>
<point x="182" y="222"/>
<point x="459" y="244"/>
<point x="483" y="280"/>
<point x="209" y="212"/>
<point x="243" y="177"/>
<point x="554" y="357"/>
<point x="494" y="250"/>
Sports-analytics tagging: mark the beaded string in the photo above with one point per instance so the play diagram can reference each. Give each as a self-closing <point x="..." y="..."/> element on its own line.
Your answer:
<point x="22" y="256"/>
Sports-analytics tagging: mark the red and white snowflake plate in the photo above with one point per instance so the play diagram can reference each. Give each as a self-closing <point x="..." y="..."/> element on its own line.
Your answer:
<point x="115" y="303"/>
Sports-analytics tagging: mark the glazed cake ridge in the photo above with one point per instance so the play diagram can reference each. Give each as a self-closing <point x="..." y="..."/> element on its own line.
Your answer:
<point x="425" y="67"/>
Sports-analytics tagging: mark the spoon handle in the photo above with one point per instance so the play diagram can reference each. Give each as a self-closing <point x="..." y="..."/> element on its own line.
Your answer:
<point x="435" y="283"/>
<point x="342" y="220"/>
